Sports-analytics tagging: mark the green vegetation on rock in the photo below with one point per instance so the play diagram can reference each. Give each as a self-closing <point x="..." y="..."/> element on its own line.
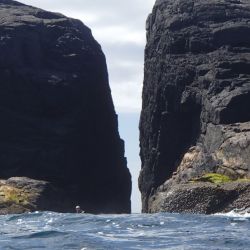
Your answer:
<point x="217" y="178"/>
<point x="14" y="195"/>
<point x="213" y="178"/>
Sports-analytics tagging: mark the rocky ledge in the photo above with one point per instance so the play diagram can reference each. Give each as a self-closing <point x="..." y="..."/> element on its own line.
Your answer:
<point x="58" y="123"/>
<point x="195" y="117"/>
<point x="22" y="194"/>
<point x="202" y="197"/>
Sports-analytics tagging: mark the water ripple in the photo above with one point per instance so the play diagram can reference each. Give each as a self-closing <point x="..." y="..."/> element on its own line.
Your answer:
<point x="137" y="231"/>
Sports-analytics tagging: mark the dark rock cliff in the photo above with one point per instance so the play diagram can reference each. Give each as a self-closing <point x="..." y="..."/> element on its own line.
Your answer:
<point x="58" y="122"/>
<point x="195" y="117"/>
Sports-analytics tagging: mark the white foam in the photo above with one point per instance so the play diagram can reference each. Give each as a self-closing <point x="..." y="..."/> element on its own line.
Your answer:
<point x="19" y="221"/>
<point x="50" y="220"/>
<point x="235" y="214"/>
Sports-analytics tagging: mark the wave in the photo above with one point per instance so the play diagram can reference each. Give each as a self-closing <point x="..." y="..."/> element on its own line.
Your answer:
<point x="42" y="234"/>
<point x="49" y="230"/>
<point x="236" y="213"/>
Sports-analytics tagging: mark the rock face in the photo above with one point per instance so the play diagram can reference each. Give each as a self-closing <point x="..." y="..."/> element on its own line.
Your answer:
<point x="22" y="194"/>
<point x="205" y="198"/>
<point x="195" y="117"/>
<point x="58" y="122"/>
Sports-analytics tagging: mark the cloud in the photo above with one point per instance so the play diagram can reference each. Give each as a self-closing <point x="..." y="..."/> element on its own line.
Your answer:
<point x="120" y="34"/>
<point x="127" y="95"/>
<point x="119" y="26"/>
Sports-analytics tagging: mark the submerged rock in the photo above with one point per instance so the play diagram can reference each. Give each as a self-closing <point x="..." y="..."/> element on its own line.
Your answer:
<point x="58" y="122"/>
<point x="195" y="117"/>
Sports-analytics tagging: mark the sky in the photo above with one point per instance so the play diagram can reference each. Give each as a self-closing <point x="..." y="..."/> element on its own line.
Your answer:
<point x="119" y="27"/>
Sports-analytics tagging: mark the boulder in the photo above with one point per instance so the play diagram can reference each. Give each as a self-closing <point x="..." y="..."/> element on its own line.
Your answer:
<point x="22" y="194"/>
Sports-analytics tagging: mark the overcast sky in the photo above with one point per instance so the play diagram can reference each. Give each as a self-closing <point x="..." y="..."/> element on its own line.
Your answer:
<point x="119" y="26"/>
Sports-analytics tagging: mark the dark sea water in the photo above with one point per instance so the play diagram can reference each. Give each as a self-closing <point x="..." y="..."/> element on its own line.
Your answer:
<point x="137" y="231"/>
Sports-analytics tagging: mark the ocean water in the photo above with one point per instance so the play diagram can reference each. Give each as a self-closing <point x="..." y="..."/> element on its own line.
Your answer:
<point x="47" y="230"/>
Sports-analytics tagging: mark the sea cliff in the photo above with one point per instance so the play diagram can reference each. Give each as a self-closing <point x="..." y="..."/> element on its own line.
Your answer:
<point x="58" y="125"/>
<point x="195" y="119"/>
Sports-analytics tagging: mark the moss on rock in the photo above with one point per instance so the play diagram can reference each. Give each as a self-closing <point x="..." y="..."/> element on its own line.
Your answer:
<point x="213" y="178"/>
<point x="14" y="195"/>
<point x="217" y="178"/>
